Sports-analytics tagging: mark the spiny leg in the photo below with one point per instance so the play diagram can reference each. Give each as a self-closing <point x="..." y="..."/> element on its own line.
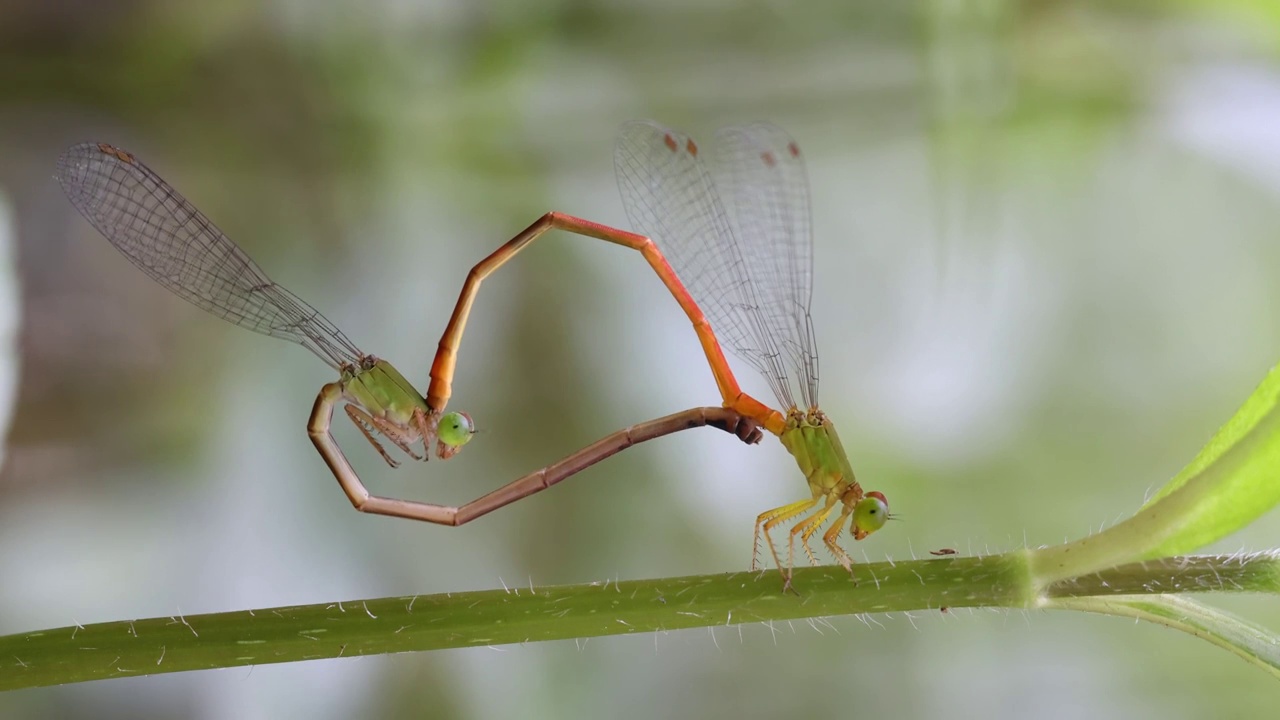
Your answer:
<point x="806" y="530"/>
<point x="398" y="435"/>
<point x="829" y="539"/>
<point x="768" y="516"/>
<point x="358" y="418"/>
<point x="426" y="428"/>
<point x="770" y="519"/>
<point x="369" y="424"/>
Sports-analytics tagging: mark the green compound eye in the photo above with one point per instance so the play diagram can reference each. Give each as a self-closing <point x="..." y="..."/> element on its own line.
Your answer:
<point x="455" y="429"/>
<point x="870" y="514"/>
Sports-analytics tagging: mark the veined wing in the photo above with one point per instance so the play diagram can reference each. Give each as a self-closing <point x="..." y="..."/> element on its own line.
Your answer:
<point x="174" y="243"/>
<point x="755" y="299"/>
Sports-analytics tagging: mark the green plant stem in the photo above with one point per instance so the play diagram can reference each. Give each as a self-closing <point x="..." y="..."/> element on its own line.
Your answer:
<point x="495" y="617"/>
<point x="1246" y="572"/>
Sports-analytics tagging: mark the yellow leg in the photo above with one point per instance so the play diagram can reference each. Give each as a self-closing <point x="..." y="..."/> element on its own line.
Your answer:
<point x="829" y="538"/>
<point x="806" y="530"/>
<point x="770" y="519"/>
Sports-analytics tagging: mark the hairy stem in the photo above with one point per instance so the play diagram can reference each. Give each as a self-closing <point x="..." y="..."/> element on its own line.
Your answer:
<point x="495" y="617"/>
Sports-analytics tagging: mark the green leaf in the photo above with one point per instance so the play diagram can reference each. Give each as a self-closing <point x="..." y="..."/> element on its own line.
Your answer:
<point x="1233" y="480"/>
<point x="1229" y="484"/>
<point x="1262" y="402"/>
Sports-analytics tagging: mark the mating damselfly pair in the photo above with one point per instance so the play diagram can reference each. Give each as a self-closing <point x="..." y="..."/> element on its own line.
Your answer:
<point x="727" y="232"/>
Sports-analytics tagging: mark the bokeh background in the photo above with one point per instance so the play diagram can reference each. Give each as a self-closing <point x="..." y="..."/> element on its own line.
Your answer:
<point x="1048" y="244"/>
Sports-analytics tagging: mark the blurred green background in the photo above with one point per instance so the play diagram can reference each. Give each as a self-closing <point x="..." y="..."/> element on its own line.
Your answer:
<point x="1048" y="269"/>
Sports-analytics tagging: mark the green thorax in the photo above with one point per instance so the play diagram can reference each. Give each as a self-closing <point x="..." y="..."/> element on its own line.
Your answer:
<point x="382" y="391"/>
<point x="811" y="438"/>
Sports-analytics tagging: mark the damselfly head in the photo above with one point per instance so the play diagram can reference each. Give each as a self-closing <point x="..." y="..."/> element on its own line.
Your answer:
<point x="870" y="514"/>
<point x="452" y="432"/>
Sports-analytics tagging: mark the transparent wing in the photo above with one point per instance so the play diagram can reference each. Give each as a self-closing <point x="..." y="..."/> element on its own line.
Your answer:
<point x="762" y="178"/>
<point x="670" y="196"/>
<point x="173" y="242"/>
